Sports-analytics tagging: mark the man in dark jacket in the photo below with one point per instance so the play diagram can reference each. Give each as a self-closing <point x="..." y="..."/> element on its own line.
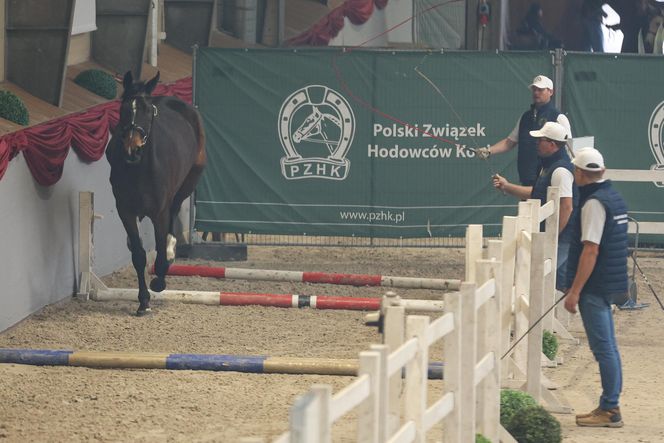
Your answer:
<point x="598" y="267"/>
<point x="541" y="111"/>
<point x="557" y="170"/>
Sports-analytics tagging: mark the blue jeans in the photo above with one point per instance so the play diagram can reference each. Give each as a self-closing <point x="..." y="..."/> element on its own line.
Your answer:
<point x="598" y="323"/>
<point x="561" y="271"/>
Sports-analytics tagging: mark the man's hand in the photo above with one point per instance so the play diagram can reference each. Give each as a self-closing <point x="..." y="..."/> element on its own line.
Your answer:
<point x="483" y="153"/>
<point x="499" y="182"/>
<point x="571" y="301"/>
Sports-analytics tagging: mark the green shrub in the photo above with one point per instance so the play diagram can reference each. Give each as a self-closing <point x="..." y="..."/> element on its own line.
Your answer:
<point x="479" y="438"/>
<point x="13" y="109"/>
<point x="549" y="345"/>
<point x="535" y="425"/>
<point x="98" y="82"/>
<point x="513" y="402"/>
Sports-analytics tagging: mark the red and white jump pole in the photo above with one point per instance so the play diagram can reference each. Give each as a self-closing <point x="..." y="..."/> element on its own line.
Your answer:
<point x="275" y="300"/>
<point x="315" y="277"/>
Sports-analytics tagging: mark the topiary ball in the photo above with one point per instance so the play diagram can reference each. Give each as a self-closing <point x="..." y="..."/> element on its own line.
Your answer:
<point x="549" y="345"/>
<point x="98" y="82"/>
<point x="512" y="402"/>
<point x="13" y="109"/>
<point x="479" y="438"/>
<point x="535" y="425"/>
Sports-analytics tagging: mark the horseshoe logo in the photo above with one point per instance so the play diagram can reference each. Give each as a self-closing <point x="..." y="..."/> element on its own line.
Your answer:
<point x="316" y="129"/>
<point x="656" y="139"/>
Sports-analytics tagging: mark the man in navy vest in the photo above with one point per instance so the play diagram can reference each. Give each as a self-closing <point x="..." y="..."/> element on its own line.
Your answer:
<point x="541" y="111"/>
<point x="597" y="267"/>
<point x="557" y="170"/>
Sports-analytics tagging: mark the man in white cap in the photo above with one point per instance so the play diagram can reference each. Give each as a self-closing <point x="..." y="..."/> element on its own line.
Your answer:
<point x="597" y="266"/>
<point x="557" y="170"/>
<point x="541" y="111"/>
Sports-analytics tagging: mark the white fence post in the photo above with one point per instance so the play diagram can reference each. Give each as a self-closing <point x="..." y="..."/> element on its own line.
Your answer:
<point x="382" y="391"/>
<point x="468" y="360"/>
<point x="528" y="222"/>
<point x="534" y="371"/>
<point x="482" y="275"/>
<point x="473" y="250"/>
<point x="417" y="374"/>
<point x="488" y="343"/>
<point x="367" y="418"/>
<point x="309" y="416"/>
<point x="89" y="282"/>
<point x="551" y="251"/>
<point x="85" y="226"/>
<point x="394" y="322"/>
<point x="452" y="372"/>
<point x="508" y="260"/>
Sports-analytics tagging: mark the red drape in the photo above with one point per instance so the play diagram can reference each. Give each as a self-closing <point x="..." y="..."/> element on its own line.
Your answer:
<point x="320" y="34"/>
<point x="45" y="146"/>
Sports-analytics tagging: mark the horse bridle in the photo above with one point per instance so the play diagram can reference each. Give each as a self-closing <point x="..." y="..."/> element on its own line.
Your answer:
<point x="134" y="127"/>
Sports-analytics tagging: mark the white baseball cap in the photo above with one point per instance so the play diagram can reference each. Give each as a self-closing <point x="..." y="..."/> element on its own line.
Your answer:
<point x="542" y="82"/>
<point x="588" y="159"/>
<point x="551" y="130"/>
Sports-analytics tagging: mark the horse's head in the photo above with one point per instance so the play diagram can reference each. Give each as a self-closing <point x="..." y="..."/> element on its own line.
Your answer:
<point x="137" y="114"/>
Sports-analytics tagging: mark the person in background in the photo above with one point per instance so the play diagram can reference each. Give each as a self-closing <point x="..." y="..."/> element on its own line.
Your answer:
<point x="533" y="33"/>
<point x="652" y="19"/>
<point x="592" y="16"/>
<point x="557" y="170"/>
<point x="541" y="111"/>
<point x="597" y="267"/>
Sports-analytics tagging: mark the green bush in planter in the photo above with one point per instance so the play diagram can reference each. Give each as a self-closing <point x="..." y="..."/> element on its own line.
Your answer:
<point x="513" y="402"/>
<point x="98" y="82"/>
<point x="13" y="109"/>
<point x="549" y="345"/>
<point x="479" y="438"/>
<point x="535" y="424"/>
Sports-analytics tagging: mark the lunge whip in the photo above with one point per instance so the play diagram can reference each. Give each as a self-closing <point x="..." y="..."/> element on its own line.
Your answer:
<point x="647" y="282"/>
<point x="456" y="114"/>
<point x="525" y="334"/>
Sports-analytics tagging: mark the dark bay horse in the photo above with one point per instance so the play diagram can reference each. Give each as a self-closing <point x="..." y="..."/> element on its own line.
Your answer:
<point x="157" y="155"/>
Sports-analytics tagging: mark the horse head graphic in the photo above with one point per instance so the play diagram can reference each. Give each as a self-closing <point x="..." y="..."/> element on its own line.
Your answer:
<point x="314" y="115"/>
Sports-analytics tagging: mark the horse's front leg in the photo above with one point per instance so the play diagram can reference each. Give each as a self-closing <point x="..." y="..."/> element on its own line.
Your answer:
<point x="138" y="259"/>
<point x="163" y="260"/>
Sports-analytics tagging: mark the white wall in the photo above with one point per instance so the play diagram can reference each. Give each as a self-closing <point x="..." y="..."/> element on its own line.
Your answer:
<point x="39" y="235"/>
<point x="85" y="18"/>
<point x="396" y="12"/>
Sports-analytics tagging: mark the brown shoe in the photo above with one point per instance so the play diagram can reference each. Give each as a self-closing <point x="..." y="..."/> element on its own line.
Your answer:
<point x="588" y="414"/>
<point x="600" y="418"/>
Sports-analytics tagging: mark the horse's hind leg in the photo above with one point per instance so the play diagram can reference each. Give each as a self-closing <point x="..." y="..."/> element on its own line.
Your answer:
<point x="138" y="259"/>
<point x="161" y="263"/>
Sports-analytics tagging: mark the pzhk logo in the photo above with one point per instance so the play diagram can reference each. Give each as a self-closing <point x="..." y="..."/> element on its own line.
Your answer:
<point x="316" y="128"/>
<point x="656" y="138"/>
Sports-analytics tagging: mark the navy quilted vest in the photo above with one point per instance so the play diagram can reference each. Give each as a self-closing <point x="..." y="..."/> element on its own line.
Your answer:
<point x="528" y="162"/>
<point x="609" y="277"/>
<point x="550" y="164"/>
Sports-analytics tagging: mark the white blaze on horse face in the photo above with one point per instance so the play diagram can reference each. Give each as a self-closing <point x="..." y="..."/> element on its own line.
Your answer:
<point x="133" y="140"/>
<point x="170" y="247"/>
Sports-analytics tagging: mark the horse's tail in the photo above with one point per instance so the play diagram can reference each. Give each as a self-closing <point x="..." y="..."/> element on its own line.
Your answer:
<point x="200" y="137"/>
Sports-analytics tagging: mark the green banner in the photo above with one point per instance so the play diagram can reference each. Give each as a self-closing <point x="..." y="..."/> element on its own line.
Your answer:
<point x="619" y="99"/>
<point x="357" y="143"/>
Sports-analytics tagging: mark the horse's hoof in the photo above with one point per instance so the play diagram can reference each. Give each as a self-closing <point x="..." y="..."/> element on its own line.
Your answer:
<point x="158" y="284"/>
<point x="143" y="312"/>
